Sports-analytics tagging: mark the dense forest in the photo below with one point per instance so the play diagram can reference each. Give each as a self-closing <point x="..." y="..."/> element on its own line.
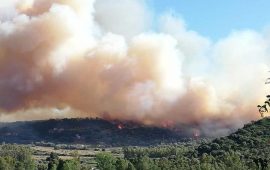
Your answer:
<point x="247" y="148"/>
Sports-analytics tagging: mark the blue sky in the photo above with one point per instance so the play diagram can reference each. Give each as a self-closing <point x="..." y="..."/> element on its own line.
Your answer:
<point x="214" y="18"/>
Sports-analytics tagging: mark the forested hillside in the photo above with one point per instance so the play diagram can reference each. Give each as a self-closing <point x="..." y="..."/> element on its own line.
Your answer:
<point x="91" y="131"/>
<point x="247" y="148"/>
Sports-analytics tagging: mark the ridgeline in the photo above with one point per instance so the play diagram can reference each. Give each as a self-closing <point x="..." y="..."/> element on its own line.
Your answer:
<point x="89" y="131"/>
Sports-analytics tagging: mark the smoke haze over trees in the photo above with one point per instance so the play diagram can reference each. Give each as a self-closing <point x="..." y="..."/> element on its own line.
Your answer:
<point x="65" y="58"/>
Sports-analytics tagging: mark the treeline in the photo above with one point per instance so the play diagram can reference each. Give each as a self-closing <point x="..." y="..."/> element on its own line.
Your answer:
<point x="16" y="157"/>
<point x="229" y="161"/>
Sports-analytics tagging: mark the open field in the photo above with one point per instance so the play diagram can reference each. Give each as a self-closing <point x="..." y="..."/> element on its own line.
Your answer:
<point x="87" y="154"/>
<point x="42" y="152"/>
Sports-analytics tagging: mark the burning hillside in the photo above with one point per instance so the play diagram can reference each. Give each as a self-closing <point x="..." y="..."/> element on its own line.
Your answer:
<point x="91" y="131"/>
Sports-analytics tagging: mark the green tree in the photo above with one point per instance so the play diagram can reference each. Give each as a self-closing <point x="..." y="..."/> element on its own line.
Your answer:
<point x="105" y="161"/>
<point x="42" y="166"/>
<point x="145" y="163"/>
<point x="121" y="164"/>
<point x="165" y="164"/>
<point x="7" y="163"/>
<point x="17" y="157"/>
<point x="232" y="161"/>
<point x="53" y="160"/>
<point x="72" y="164"/>
<point x="130" y="166"/>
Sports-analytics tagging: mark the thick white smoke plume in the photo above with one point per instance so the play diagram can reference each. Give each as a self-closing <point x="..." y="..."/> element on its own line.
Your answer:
<point x="73" y="58"/>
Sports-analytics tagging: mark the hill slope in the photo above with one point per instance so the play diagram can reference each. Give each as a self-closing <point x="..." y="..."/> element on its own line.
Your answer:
<point x="247" y="148"/>
<point x="88" y="131"/>
<point x="252" y="140"/>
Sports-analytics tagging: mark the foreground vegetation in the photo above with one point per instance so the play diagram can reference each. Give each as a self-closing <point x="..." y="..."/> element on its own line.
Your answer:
<point x="248" y="148"/>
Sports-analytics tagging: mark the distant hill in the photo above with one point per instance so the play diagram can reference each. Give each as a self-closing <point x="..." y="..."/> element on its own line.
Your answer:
<point x="90" y="131"/>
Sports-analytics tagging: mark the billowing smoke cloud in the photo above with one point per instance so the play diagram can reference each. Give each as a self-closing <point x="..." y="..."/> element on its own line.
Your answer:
<point x="73" y="58"/>
<point x="127" y="18"/>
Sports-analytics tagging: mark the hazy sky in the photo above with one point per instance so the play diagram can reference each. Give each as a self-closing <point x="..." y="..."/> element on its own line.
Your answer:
<point x="216" y="19"/>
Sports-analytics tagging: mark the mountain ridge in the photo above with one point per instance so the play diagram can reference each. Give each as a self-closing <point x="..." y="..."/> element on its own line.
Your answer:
<point x="89" y="131"/>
